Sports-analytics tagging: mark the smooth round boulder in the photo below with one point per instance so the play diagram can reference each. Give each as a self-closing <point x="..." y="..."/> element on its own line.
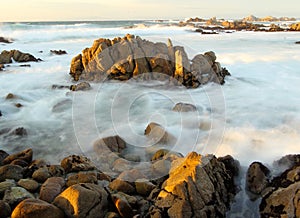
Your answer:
<point x="35" y="208"/>
<point x="11" y="172"/>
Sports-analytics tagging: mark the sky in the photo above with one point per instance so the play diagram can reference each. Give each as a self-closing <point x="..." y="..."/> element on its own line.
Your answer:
<point x="61" y="10"/>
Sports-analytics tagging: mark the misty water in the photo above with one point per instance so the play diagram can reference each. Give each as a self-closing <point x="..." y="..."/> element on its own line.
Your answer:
<point x="253" y="117"/>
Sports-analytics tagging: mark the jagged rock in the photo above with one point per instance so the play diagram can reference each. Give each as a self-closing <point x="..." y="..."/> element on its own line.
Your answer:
<point x="232" y="166"/>
<point x="82" y="177"/>
<point x="130" y="56"/>
<point x="58" y="52"/>
<point x="108" y="144"/>
<point x="11" y="172"/>
<point x="51" y="188"/>
<point x="257" y="178"/>
<point x="121" y="186"/>
<point x="184" y="107"/>
<point x="5" y="209"/>
<point x="83" y="86"/>
<point x="83" y="201"/>
<point x="284" y="202"/>
<point x="193" y="182"/>
<point x="75" y="163"/>
<point x="15" y="195"/>
<point x="25" y="155"/>
<point x="29" y="184"/>
<point x="35" y="208"/>
<point x="19" y="56"/>
<point x="5" y="57"/>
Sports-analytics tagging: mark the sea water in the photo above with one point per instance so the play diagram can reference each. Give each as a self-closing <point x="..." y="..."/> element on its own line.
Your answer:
<point x="254" y="116"/>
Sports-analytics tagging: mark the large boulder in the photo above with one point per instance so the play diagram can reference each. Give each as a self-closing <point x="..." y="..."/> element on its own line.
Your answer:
<point x="18" y="56"/>
<point x="83" y="201"/>
<point x="194" y="183"/>
<point x="130" y="56"/>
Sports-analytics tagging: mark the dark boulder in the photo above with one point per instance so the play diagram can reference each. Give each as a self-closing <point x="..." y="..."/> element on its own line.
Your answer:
<point x="58" y="52"/>
<point x="5" y="40"/>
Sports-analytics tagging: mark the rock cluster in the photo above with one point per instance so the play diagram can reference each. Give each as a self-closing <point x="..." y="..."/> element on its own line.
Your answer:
<point x="132" y="57"/>
<point x="18" y="56"/>
<point x="280" y="194"/>
<point x="194" y="186"/>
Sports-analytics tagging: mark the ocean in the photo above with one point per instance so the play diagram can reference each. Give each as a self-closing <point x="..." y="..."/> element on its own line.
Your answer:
<point x="254" y="116"/>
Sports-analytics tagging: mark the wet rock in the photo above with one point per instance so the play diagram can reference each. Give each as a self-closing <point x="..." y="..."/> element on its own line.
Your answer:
<point x="5" y="57"/>
<point x="41" y="174"/>
<point x="3" y="155"/>
<point x="193" y="182"/>
<point x="19" y="56"/>
<point x="184" y="107"/>
<point x="257" y="178"/>
<point x="56" y="170"/>
<point x="18" y="105"/>
<point x="298" y="42"/>
<point x="83" y="200"/>
<point x="121" y="186"/>
<point x="165" y="154"/>
<point x="232" y="165"/>
<point x="157" y="134"/>
<point x="108" y="144"/>
<point x="122" y="205"/>
<point x="132" y="57"/>
<point x="284" y="202"/>
<point x="7" y="184"/>
<point x="11" y="172"/>
<point x="5" y="210"/>
<point x="5" y="40"/>
<point x="15" y="195"/>
<point x="51" y="188"/>
<point x="35" y="208"/>
<point x="83" y="86"/>
<point x="144" y="187"/>
<point x="10" y="96"/>
<point x="60" y="87"/>
<point x="24" y="65"/>
<point x="58" y="52"/>
<point x="287" y="162"/>
<point x="1" y="67"/>
<point x="19" y="162"/>
<point x="82" y="177"/>
<point x="29" y="184"/>
<point x="20" y="131"/>
<point x="25" y="155"/>
<point x="75" y="163"/>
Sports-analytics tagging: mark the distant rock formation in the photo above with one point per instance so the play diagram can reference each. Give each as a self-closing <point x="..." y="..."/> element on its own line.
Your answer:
<point x="132" y="57"/>
<point x="252" y="18"/>
<point x="18" y="56"/>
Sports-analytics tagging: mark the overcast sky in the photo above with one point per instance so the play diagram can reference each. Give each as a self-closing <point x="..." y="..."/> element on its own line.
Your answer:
<point x="45" y="10"/>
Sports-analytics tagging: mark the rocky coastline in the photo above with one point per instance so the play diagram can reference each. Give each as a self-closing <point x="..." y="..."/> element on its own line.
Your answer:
<point x="192" y="186"/>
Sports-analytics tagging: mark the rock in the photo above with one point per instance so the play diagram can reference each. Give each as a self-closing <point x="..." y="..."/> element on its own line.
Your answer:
<point x="82" y="177"/>
<point x="157" y="134"/>
<point x="5" y="40"/>
<point x="19" y="162"/>
<point x="60" y="87"/>
<point x="41" y="174"/>
<point x="121" y="186"/>
<point x="15" y="195"/>
<point x="11" y="172"/>
<point x="194" y="183"/>
<point x="232" y="166"/>
<point x="35" y="208"/>
<point x="29" y="184"/>
<point x="83" y="86"/>
<point x="5" y="57"/>
<point x="184" y="107"/>
<point x="298" y="42"/>
<point x="18" y="105"/>
<point x="287" y="162"/>
<point x="108" y="144"/>
<point x="132" y="57"/>
<point x="144" y="187"/>
<point x="284" y="202"/>
<point x="122" y="205"/>
<point x="2" y="67"/>
<point x="165" y="154"/>
<point x="51" y="188"/>
<point x="3" y="155"/>
<point x="58" y="52"/>
<point x="25" y="155"/>
<point x="257" y="178"/>
<point x="83" y="201"/>
<point x="121" y="165"/>
<point x="7" y="184"/>
<point x="5" y="209"/>
<point x="295" y="27"/>
<point x="75" y="163"/>
<point x="112" y="215"/>
<point x="20" y="131"/>
<point x="10" y="96"/>
<point x="19" y="56"/>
